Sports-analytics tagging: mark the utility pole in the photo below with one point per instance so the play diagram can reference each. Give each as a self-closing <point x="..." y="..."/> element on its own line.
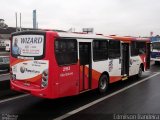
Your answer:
<point x="34" y="19"/>
<point x="20" y="23"/>
<point x="16" y="21"/>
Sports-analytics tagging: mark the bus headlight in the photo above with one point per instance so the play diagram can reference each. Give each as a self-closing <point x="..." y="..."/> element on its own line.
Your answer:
<point x="44" y="82"/>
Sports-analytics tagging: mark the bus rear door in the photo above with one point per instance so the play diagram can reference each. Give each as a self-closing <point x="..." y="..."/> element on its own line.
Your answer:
<point x="85" y="66"/>
<point x="125" y="60"/>
<point x="148" y="51"/>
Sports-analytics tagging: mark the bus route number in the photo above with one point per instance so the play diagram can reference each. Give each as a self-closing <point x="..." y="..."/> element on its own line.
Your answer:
<point x="66" y="69"/>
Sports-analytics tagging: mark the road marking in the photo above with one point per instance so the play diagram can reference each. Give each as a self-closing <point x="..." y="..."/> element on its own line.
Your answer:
<point x="13" y="98"/>
<point x="4" y="74"/>
<point x="101" y="99"/>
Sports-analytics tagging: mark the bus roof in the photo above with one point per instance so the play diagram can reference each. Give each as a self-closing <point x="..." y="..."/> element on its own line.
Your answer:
<point x="65" y="34"/>
<point x="81" y="35"/>
<point x="129" y="39"/>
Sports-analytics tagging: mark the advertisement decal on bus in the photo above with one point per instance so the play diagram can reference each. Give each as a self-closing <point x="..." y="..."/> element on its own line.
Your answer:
<point x="27" y="45"/>
<point x="29" y="69"/>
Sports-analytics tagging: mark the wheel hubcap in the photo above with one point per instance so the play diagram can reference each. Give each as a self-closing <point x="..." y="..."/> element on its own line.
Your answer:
<point x="103" y="84"/>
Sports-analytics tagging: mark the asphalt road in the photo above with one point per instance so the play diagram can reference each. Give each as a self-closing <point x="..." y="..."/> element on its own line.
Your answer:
<point x="142" y="98"/>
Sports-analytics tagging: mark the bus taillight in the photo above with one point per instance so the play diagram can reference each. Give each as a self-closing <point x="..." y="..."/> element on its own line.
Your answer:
<point x="44" y="82"/>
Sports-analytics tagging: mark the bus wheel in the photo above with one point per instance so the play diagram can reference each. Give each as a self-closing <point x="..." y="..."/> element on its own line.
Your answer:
<point x="156" y="62"/>
<point x="140" y="72"/>
<point x="103" y="84"/>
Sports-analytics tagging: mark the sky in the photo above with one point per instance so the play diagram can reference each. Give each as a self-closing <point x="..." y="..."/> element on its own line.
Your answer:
<point x="108" y="17"/>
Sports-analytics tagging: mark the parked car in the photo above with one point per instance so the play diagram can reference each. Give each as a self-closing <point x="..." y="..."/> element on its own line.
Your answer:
<point x="4" y="63"/>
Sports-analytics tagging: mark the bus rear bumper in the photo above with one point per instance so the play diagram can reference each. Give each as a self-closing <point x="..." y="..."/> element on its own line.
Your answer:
<point x="43" y="93"/>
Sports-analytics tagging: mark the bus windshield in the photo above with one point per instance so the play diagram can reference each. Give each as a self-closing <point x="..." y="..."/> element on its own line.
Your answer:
<point x="156" y="45"/>
<point x="28" y="46"/>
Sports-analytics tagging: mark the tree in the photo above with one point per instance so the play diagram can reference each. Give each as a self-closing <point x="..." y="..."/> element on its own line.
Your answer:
<point x="2" y="24"/>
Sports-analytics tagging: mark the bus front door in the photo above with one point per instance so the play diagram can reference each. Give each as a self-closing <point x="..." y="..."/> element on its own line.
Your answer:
<point x="148" y="51"/>
<point x="85" y="66"/>
<point x="125" y="60"/>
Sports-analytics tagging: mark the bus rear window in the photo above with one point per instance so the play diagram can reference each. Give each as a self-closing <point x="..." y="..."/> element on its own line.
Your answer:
<point x="66" y="51"/>
<point x="31" y="46"/>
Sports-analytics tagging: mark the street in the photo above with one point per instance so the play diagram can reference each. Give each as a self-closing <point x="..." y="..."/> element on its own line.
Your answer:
<point x="140" y="98"/>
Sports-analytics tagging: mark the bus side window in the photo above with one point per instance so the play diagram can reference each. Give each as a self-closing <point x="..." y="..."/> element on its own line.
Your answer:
<point x="138" y="48"/>
<point x="100" y="50"/>
<point x="141" y="47"/>
<point x="56" y="46"/>
<point x="114" y="49"/>
<point x="66" y="51"/>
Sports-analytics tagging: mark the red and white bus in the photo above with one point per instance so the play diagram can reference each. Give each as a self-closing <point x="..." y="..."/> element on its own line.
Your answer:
<point x="52" y="64"/>
<point x="136" y="52"/>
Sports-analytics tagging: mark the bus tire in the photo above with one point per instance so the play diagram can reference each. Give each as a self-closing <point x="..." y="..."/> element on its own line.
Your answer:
<point x="156" y="62"/>
<point x="139" y="75"/>
<point x="103" y="84"/>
